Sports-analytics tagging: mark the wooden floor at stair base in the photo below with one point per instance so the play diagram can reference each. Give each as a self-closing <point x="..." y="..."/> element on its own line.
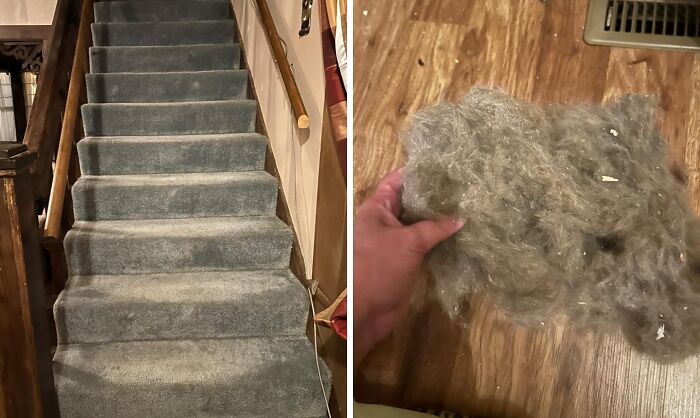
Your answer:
<point x="414" y="53"/>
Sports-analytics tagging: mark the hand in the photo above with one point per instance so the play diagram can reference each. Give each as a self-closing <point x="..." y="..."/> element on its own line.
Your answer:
<point x="386" y="258"/>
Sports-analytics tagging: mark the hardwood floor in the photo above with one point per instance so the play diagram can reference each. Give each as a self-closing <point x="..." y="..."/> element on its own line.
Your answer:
<point x="413" y="53"/>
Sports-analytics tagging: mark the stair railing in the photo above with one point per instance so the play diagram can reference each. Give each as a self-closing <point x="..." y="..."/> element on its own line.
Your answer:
<point x="44" y="124"/>
<point x="285" y="69"/>
<point x="66" y="171"/>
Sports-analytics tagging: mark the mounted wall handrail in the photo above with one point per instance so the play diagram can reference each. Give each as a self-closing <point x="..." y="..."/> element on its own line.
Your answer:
<point x="59" y="185"/>
<point x="280" y="56"/>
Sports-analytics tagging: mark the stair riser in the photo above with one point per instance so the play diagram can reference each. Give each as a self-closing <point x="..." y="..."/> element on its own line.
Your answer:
<point x="174" y="119"/>
<point x="94" y="201"/>
<point x="166" y="87"/>
<point x="120" y="59"/>
<point x="99" y="156"/>
<point x="90" y="254"/>
<point x="281" y="311"/>
<point x="160" y="11"/>
<point x="148" y="34"/>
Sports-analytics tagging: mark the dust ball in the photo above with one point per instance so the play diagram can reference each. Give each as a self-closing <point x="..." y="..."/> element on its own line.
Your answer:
<point x="568" y="210"/>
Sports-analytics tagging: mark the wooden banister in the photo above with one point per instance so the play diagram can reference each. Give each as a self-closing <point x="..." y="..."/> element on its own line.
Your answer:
<point x="59" y="185"/>
<point x="26" y="377"/>
<point x="290" y="83"/>
<point x="43" y="126"/>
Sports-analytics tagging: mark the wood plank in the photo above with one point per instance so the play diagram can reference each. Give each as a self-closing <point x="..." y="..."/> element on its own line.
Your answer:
<point x="20" y="390"/>
<point x="487" y="366"/>
<point x="25" y="362"/>
<point x="330" y="253"/>
<point x="692" y="149"/>
<point x="24" y="32"/>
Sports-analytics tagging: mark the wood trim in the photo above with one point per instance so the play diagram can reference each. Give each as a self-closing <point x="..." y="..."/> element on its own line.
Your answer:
<point x="26" y="376"/>
<point x="25" y="32"/>
<point x="330" y="243"/>
<point x="280" y="56"/>
<point x="330" y="254"/>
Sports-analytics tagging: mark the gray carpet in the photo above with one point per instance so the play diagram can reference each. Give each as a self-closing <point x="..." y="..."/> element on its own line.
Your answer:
<point x="180" y="301"/>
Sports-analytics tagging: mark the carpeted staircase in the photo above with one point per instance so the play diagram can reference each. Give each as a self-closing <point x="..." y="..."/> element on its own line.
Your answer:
<point x="180" y="301"/>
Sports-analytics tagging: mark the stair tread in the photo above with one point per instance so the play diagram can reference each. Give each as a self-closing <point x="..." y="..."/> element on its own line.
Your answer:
<point x="143" y="48"/>
<point x="232" y="136"/>
<point x="179" y="228"/>
<point x="172" y="245"/>
<point x="157" y="2"/>
<point x="171" y="74"/>
<point x="182" y="195"/>
<point x="175" y="306"/>
<point x="163" y="24"/>
<point x="178" y="178"/>
<point x="193" y="287"/>
<point x="186" y="360"/>
<point x="167" y="87"/>
<point x="172" y="154"/>
<point x="172" y="104"/>
<point x="257" y="376"/>
<point x="169" y="118"/>
<point x="164" y="58"/>
<point x="169" y="1"/>
<point x="160" y="11"/>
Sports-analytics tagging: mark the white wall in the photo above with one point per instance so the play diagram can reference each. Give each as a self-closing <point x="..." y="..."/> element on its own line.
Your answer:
<point x="297" y="163"/>
<point x="26" y="12"/>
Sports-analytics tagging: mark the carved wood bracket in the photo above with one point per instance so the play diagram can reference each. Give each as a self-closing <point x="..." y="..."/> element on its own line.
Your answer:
<point x="29" y="52"/>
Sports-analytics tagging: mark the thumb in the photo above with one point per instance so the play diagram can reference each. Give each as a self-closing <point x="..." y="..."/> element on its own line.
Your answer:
<point x="425" y="235"/>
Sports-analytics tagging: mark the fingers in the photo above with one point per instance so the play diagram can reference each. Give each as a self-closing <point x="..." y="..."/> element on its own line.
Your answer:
<point x="387" y="193"/>
<point x="427" y="234"/>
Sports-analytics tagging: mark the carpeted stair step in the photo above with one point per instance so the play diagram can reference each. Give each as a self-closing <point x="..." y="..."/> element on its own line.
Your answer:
<point x="183" y="118"/>
<point x="181" y="306"/>
<point x="172" y="154"/>
<point x="166" y="87"/>
<point x="163" y="33"/>
<point x="141" y="59"/>
<point x="170" y="196"/>
<point x="177" y="245"/>
<point x="242" y="377"/>
<point x="161" y="11"/>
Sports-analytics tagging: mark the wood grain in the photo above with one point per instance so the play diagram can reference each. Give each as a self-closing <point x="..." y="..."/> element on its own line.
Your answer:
<point x="412" y="53"/>
<point x="280" y="54"/>
<point x="66" y="143"/>
<point x="330" y="254"/>
<point x="26" y="375"/>
<point x="44" y="125"/>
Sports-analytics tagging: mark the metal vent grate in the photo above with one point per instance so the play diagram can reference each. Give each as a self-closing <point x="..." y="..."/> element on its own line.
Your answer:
<point x="665" y="24"/>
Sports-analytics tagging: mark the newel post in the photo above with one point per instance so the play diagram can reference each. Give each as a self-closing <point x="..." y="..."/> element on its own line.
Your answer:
<point x="26" y="378"/>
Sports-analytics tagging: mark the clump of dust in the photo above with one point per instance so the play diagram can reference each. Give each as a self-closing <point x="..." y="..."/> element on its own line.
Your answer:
<point x="568" y="209"/>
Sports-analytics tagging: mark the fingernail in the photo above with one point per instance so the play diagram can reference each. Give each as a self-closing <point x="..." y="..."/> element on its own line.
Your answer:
<point x="458" y="223"/>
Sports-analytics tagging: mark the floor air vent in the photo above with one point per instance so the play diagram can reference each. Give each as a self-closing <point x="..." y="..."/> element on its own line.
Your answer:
<point x="664" y="24"/>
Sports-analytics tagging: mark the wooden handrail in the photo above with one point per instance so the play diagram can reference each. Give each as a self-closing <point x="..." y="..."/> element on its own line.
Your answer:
<point x="290" y="83"/>
<point x="52" y="227"/>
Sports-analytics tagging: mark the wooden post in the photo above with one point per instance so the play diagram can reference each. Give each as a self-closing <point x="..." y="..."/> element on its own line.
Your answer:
<point x="26" y="377"/>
